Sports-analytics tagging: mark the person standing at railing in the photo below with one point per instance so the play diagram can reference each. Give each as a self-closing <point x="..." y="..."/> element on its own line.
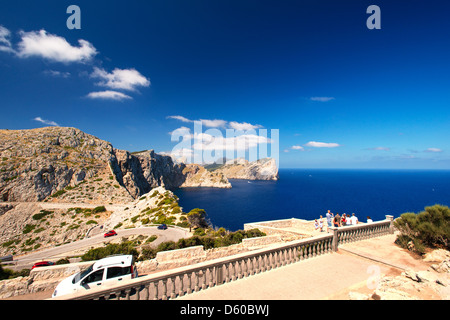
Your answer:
<point x="329" y="216"/>
<point x="344" y="220"/>
<point x="369" y="219"/>
<point x="337" y="220"/>
<point x="354" y="220"/>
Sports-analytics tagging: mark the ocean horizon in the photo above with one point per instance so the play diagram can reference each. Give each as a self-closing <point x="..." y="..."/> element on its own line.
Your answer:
<point x="309" y="193"/>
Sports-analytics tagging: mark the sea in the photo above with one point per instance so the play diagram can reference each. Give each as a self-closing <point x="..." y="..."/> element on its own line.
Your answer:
<point x="309" y="193"/>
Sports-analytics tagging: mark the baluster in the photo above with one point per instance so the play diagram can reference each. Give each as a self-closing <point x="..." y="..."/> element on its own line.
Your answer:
<point x="285" y="257"/>
<point x="155" y="287"/>
<point x="245" y="267"/>
<point x="297" y="253"/>
<point x="164" y="289"/>
<point x="319" y="248"/>
<point x="127" y="293"/>
<point x="196" y="287"/>
<point x="146" y="291"/>
<point x="257" y="264"/>
<point x="264" y="262"/>
<point x="202" y="274"/>
<point x="227" y="271"/>
<point x="251" y="266"/>
<point x="271" y="260"/>
<point x="211" y="279"/>
<point x="234" y="269"/>
<point x="189" y="283"/>
<point x="239" y="269"/>
<point x="172" y="291"/>
<point x="137" y="293"/>
<point x="181" y="291"/>
<point x="276" y="259"/>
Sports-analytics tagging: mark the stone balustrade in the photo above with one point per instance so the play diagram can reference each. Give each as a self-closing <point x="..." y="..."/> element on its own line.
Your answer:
<point x="176" y="282"/>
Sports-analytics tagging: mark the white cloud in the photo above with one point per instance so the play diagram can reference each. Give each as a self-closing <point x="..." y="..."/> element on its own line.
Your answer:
<point x="5" y="44"/>
<point x="244" y="126"/>
<point x="316" y="144"/>
<point x="216" y="123"/>
<point x="181" y="118"/>
<point x="125" y="79"/>
<point x="242" y="142"/>
<point x="433" y="150"/>
<point x="298" y="148"/>
<point x="47" y="122"/>
<point x="321" y="99"/>
<point x="213" y="123"/>
<point x="54" y="48"/>
<point x="184" y="132"/>
<point x="108" y="95"/>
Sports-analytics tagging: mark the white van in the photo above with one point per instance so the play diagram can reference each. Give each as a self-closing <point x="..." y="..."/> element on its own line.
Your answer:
<point x="106" y="271"/>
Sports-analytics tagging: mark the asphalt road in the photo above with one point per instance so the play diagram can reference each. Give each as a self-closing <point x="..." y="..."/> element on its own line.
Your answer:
<point x="55" y="253"/>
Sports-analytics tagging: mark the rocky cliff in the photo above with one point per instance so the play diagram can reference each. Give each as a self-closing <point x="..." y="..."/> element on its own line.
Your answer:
<point x="55" y="163"/>
<point x="263" y="169"/>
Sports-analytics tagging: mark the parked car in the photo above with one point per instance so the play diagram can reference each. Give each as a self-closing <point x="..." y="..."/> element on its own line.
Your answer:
<point x="104" y="272"/>
<point x="162" y="226"/>
<point x="42" y="264"/>
<point x="110" y="234"/>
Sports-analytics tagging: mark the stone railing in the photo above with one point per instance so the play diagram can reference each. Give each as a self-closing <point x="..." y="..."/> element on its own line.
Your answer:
<point x="180" y="281"/>
<point x="364" y="231"/>
<point x="184" y="280"/>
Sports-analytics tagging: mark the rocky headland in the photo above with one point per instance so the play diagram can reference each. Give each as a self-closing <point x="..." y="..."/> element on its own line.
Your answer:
<point x="262" y="169"/>
<point x="57" y="183"/>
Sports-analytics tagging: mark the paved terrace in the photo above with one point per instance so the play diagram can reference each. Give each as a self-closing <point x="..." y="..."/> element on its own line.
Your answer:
<point x="326" y="266"/>
<point x="332" y="276"/>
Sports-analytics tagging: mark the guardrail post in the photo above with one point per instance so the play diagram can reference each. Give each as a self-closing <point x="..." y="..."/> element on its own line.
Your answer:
<point x="334" y="245"/>
<point x="391" y="224"/>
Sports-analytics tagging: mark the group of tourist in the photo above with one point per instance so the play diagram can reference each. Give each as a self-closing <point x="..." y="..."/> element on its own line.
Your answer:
<point x="337" y="220"/>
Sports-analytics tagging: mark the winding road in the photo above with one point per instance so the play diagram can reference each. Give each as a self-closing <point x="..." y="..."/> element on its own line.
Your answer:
<point x="55" y="253"/>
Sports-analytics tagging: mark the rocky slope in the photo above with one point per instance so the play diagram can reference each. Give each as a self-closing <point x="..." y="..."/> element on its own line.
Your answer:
<point x="263" y="169"/>
<point x="74" y="173"/>
<point x="30" y="226"/>
<point x="47" y="163"/>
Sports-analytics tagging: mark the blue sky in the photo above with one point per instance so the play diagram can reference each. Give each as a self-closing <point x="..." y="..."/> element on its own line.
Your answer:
<point x="339" y="94"/>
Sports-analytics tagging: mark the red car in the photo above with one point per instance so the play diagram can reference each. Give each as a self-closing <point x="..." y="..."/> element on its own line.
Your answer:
<point x="110" y="234"/>
<point x="43" y="264"/>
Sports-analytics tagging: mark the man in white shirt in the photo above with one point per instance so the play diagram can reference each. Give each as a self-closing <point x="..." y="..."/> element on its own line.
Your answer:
<point x="354" y="219"/>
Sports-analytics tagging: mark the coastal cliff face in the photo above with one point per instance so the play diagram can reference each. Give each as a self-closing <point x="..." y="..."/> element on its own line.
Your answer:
<point x="263" y="169"/>
<point x="54" y="163"/>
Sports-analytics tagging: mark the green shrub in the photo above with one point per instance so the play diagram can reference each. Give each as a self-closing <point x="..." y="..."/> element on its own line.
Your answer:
<point x="41" y="214"/>
<point x="28" y="228"/>
<point x="213" y="240"/>
<point x="429" y="228"/>
<point x="10" y="274"/>
<point x="110" y="249"/>
<point x="99" y="209"/>
<point x="197" y="218"/>
<point x="58" y="193"/>
<point x="63" y="261"/>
